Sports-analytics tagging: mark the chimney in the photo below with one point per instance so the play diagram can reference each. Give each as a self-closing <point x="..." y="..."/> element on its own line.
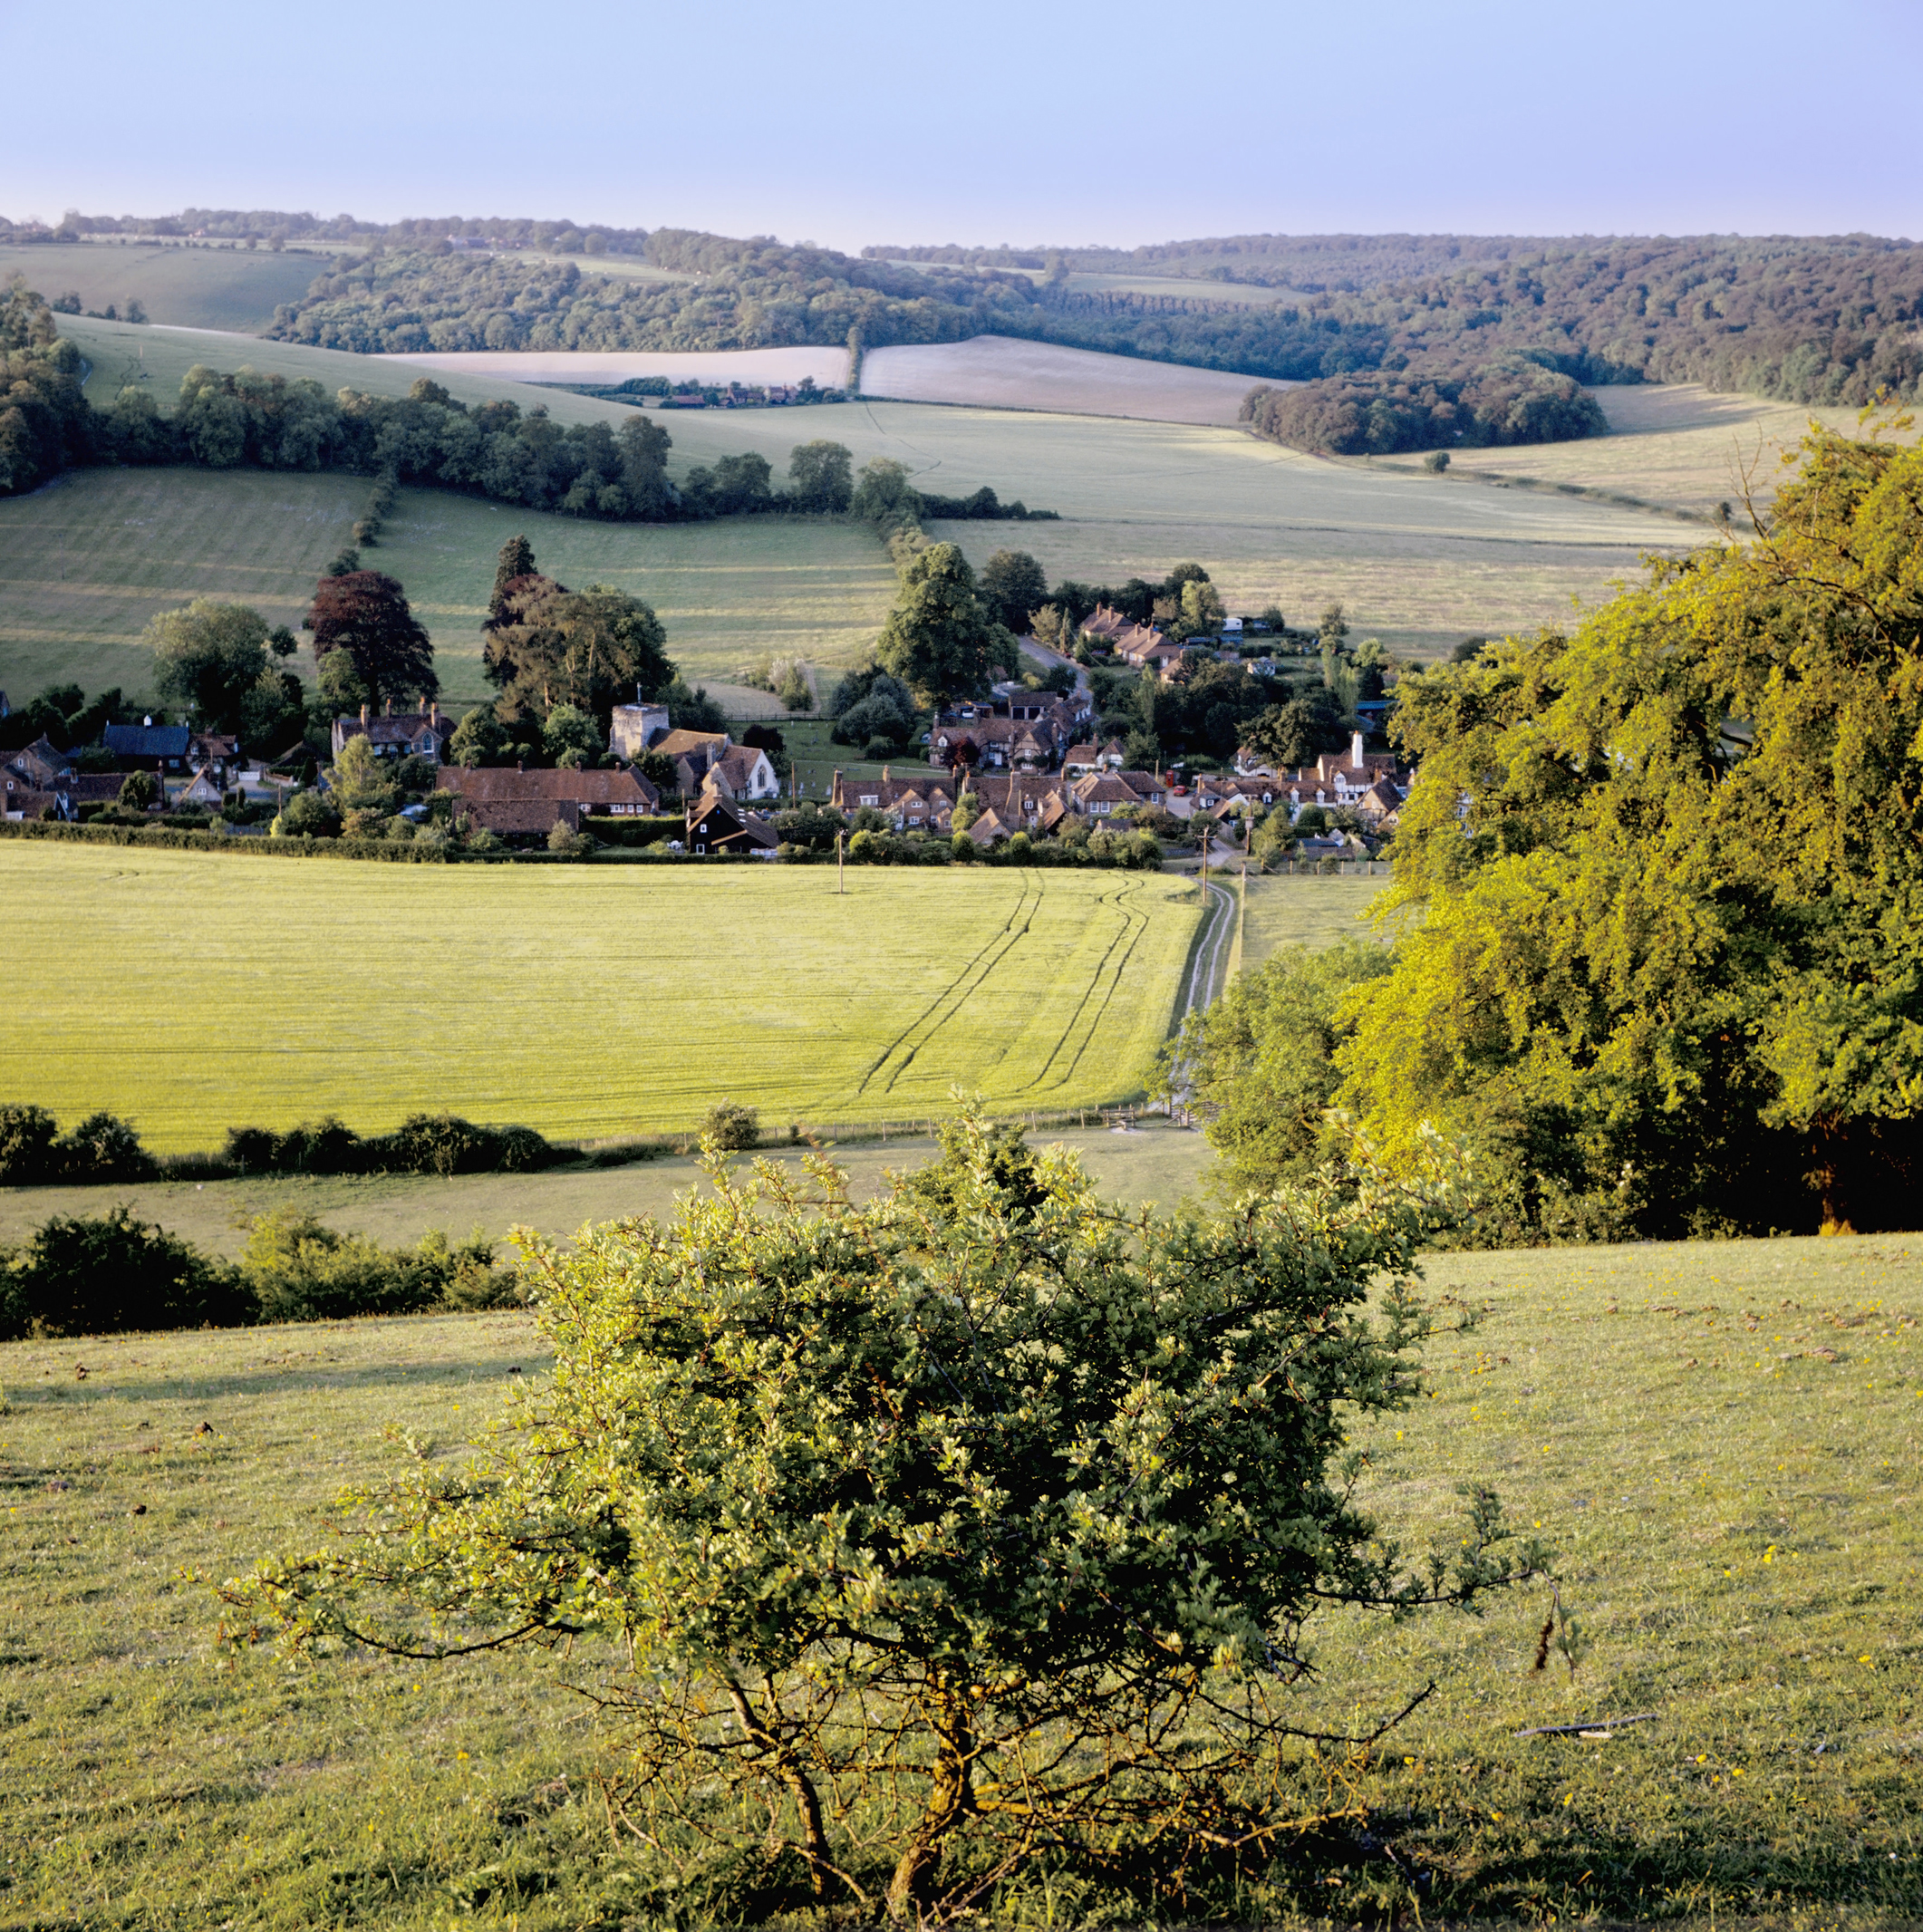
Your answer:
<point x="1355" y="749"/>
<point x="433" y="710"/>
<point x="520" y="765"/>
<point x="364" y="718"/>
<point x="389" y="713"/>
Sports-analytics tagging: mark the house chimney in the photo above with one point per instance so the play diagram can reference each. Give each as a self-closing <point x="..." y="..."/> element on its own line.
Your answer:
<point x="1355" y="749"/>
<point x="520" y="765"/>
<point x="364" y="718"/>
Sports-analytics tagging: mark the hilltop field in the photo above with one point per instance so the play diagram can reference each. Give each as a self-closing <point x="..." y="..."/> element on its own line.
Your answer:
<point x="1721" y="1441"/>
<point x="583" y="1001"/>
<point x="1419" y="561"/>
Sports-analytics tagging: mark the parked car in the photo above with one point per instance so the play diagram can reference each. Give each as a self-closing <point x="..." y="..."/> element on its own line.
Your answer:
<point x="1178" y="791"/>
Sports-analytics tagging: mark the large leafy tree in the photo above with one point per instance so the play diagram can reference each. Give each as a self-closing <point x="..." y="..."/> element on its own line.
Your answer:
<point x="821" y="476"/>
<point x="1671" y="869"/>
<point x="209" y="658"/>
<point x="938" y="640"/>
<point x="362" y="622"/>
<point x="1012" y="586"/>
<point x="592" y="649"/>
<point x="983" y="1512"/>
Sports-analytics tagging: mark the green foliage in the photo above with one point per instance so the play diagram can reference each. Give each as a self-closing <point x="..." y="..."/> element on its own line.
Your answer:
<point x="821" y="477"/>
<point x="732" y="1126"/>
<point x="968" y="1501"/>
<point x="1012" y="586"/>
<point x="300" y="1270"/>
<point x="424" y="1143"/>
<point x="1259" y="1064"/>
<point x="1670" y="868"/>
<point x="938" y="640"/>
<point x="364" y="618"/>
<point x="209" y="658"/>
<point x="307" y="814"/>
<point x="1379" y="413"/>
<point x="586" y="651"/>
<point x="100" y="1274"/>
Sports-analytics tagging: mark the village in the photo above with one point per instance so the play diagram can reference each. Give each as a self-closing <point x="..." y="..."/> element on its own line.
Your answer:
<point x="1022" y="762"/>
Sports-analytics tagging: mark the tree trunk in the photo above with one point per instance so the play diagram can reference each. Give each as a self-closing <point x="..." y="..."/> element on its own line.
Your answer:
<point x="800" y="1787"/>
<point x="911" y="1889"/>
<point x="1832" y="1173"/>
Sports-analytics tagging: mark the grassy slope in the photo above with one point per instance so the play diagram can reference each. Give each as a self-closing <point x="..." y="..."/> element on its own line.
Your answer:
<point x="1678" y="446"/>
<point x="579" y="1001"/>
<point x="1291" y="912"/>
<point x="1737" y="1539"/>
<point x="196" y="288"/>
<point x="86" y="561"/>
<point x="1153" y="1163"/>
<point x="1419" y="562"/>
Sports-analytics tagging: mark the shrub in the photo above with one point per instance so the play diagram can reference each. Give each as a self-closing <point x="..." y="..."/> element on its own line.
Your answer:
<point x="26" y="1145"/>
<point x="730" y="1126"/>
<point x="100" y="1274"/>
<point x="140" y="790"/>
<point x="103" y="1148"/>
<point x="301" y="1271"/>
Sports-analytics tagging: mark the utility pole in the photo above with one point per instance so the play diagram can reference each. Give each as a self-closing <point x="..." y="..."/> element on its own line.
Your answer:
<point x="1204" y="854"/>
<point x="841" y="877"/>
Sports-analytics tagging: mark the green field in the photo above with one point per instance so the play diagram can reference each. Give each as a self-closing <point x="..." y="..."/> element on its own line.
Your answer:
<point x="1736" y="1511"/>
<point x="1678" y="446"/>
<point x="191" y="992"/>
<point x="87" y="560"/>
<point x="1152" y="1161"/>
<point x="1419" y="561"/>
<point x="195" y="288"/>
<point x="1291" y="912"/>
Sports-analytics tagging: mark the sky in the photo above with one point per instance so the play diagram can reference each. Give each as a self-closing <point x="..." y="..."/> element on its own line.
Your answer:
<point x="1029" y="121"/>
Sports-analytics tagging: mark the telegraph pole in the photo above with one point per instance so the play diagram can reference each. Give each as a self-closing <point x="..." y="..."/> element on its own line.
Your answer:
<point x="841" y="877"/>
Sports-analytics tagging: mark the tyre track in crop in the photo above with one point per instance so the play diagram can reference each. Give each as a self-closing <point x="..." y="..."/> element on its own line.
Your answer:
<point x="1134" y="924"/>
<point x="923" y="1027"/>
<point x="1207" y="968"/>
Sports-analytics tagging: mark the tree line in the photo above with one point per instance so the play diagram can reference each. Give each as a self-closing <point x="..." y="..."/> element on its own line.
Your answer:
<point x="1668" y="870"/>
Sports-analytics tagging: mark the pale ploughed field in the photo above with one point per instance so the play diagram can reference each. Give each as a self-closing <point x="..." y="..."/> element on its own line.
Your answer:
<point x="751" y="367"/>
<point x="1001" y="372"/>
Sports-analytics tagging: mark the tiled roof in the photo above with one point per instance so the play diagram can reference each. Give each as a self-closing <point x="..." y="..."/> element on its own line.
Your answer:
<point x="146" y="742"/>
<point x="499" y="786"/>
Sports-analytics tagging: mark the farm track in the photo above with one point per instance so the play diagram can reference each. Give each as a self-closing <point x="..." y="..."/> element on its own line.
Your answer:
<point x="1135" y="922"/>
<point x="1204" y="977"/>
<point x="955" y="995"/>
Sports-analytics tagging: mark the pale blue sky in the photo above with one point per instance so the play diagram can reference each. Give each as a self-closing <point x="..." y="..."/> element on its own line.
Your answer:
<point x="1018" y="121"/>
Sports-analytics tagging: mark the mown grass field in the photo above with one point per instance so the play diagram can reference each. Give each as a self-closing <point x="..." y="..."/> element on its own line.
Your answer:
<point x="1419" y="561"/>
<point x="85" y="562"/>
<point x="1302" y="912"/>
<point x="191" y="992"/>
<point x="1721" y="1441"/>
<point x="194" y="288"/>
<point x="1152" y="1161"/>
<point x="1677" y="446"/>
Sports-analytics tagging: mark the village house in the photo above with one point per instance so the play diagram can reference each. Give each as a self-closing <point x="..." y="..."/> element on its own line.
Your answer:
<point x="218" y="752"/>
<point x="203" y="789"/>
<point x="1079" y="760"/>
<point x="924" y="804"/>
<point x="1380" y="807"/>
<point x="692" y="753"/>
<point x="743" y="772"/>
<point x="719" y="825"/>
<point x="507" y="801"/>
<point x="398" y="734"/>
<point x="74" y="789"/>
<point x="24" y="799"/>
<point x="148" y="747"/>
<point x="40" y="765"/>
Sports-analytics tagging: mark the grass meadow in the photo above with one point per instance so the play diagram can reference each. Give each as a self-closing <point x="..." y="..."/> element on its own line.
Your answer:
<point x="87" y="560"/>
<point x="194" y="288"/>
<point x="1677" y="447"/>
<point x="191" y="991"/>
<point x="1301" y="911"/>
<point x="1721" y="1440"/>
<point x="1151" y="1162"/>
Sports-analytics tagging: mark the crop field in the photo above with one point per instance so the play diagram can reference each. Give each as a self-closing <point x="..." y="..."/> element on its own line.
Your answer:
<point x="1419" y="561"/>
<point x="829" y="367"/>
<point x="85" y="561"/>
<point x="122" y="353"/>
<point x="1283" y="910"/>
<point x="1721" y="1440"/>
<point x="1001" y="372"/>
<point x="195" y="288"/>
<point x="1152" y="1160"/>
<point x="1677" y="445"/>
<point x="582" y="1000"/>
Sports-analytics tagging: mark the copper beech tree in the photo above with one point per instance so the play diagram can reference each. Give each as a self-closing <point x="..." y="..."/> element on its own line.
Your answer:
<point x="930" y="1532"/>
